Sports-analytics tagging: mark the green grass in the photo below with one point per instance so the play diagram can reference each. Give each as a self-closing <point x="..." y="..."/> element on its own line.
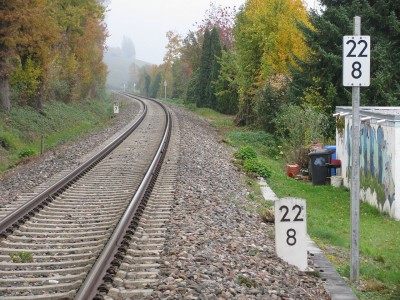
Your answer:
<point x="22" y="129"/>
<point x="221" y="121"/>
<point x="328" y="213"/>
<point x="328" y="216"/>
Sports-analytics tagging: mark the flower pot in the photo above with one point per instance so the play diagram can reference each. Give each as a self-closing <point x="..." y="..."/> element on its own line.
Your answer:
<point x="292" y="170"/>
<point x="336" y="181"/>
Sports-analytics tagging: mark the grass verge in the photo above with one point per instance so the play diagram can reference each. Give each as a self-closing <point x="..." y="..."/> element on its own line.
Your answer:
<point x="328" y="215"/>
<point x="22" y="129"/>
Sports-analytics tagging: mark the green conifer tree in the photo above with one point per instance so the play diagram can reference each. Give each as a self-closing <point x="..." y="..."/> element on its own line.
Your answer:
<point x="215" y="66"/>
<point x="319" y="82"/>
<point x="204" y="71"/>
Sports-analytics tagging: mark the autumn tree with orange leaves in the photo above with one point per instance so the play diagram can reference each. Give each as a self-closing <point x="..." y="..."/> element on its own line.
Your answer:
<point x="267" y="43"/>
<point x="50" y="49"/>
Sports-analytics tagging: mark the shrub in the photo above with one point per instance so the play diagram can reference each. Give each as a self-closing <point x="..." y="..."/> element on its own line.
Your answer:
<point x="300" y="127"/>
<point x="264" y="142"/>
<point x="246" y="152"/>
<point x="27" y="152"/>
<point x="25" y="82"/>
<point x="253" y="165"/>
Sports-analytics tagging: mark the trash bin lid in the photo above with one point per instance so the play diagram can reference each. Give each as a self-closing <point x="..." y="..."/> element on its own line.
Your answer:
<point x="330" y="147"/>
<point x="320" y="152"/>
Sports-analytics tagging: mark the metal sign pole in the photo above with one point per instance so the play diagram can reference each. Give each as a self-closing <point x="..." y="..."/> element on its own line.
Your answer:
<point x="355" y="175"/>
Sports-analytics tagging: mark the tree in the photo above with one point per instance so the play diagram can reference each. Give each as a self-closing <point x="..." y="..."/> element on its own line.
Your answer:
<point x="204" y="71"/>
<point x="144" y="81"/>
<point x="319" y="79"/>
<point x="215" y="55"/>
<point x="28" y="31"/>
<point x="203" y="88"/>
<point x="222" y="18"/>
<point x="180" y="79"/>
<point x="128" y="48"/>
<point x="171" y="56"/>
<point x="155" y="85"/>
<point x="267" y="40"/>
<point x="191" y="50"/>
<point x="83" y="44"/>
<point x="226" y="87"/>
<point x="173" y="47"/>
<point x="6" y="47"/>
<point x="55" y="47"/>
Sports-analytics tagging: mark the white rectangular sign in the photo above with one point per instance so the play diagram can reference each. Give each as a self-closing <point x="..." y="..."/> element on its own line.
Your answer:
<point x="291" y="231"/>
<point x="116" y="108"/>
<point x="356" y="60"/>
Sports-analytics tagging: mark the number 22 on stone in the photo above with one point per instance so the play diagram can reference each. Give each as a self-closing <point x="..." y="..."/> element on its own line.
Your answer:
<point x="291" y="231"/>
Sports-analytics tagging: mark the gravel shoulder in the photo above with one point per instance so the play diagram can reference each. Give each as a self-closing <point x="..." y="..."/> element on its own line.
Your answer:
<point x="216" y="247"/>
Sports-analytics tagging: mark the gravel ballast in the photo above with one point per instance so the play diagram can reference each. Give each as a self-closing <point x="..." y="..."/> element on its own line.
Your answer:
<point x="216" y="247"/>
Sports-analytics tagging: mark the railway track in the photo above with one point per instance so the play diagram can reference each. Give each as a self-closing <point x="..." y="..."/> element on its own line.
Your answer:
<point x="60" y="244"/>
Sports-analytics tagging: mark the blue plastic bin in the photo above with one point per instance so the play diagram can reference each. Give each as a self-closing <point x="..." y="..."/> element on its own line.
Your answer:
<point x="333" y="156"/>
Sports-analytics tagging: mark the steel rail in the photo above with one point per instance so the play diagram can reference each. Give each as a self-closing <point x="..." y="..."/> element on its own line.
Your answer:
<point x="13" y="218"/>
<point x="94" y="279"/>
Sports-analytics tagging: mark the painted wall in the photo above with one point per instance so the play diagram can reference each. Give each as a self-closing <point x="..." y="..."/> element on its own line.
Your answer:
<point x="378" y="164"/>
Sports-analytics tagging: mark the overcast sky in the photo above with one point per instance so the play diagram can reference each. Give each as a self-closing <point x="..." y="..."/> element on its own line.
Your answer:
<point x="147" y="21"/>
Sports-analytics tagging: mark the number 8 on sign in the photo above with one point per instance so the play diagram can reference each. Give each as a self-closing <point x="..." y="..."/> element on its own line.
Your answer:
<point x="291" y="231"/>
<point x="356" y="60"/>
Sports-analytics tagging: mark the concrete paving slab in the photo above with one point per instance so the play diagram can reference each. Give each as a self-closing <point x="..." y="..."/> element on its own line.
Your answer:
<point x="266" y="191"/>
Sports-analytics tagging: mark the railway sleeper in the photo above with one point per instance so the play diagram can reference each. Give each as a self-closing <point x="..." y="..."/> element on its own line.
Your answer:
<point x="138" y="267"/>
<point x="12" y="280"/>
<point x="55" y="257"/>
<point x="38" y="290"/>
<point x="66" y="295"/>
<point x="55" y="239"/>
<point x="70" y="218"/>
<point x="49" y="246"/>
<point x="97" y="228"/>
<point x="48" y="251"/>
<point x="43" y="273"/>
<point x="120" y="293"/>
<point x="58" y="234"/>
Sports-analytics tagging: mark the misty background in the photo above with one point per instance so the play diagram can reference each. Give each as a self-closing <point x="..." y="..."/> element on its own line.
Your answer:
<point x="137" y="33"/>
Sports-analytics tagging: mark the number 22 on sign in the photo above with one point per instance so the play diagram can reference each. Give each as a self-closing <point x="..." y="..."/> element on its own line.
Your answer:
<point x="356" y="60"/>
<point x="291" y="231"/>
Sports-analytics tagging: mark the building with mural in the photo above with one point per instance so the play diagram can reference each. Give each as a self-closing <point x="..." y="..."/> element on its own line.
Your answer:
<point x="379" y="155"/>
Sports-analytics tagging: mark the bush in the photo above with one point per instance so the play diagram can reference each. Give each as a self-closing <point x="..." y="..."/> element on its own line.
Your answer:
<point x="264" y="142"/>
<point x="271" y="99"/>
<point x="26" y="153"/>
<point x="25" y="82"/>
<point x="253" y="165"/>
<point x="246" y="152"/>
<point x="300" y="127"/>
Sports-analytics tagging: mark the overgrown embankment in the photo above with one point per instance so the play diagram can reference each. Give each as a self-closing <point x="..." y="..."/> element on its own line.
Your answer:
<point x="23" y="129"/>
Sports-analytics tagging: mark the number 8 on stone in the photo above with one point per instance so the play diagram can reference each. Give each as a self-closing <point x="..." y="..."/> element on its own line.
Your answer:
<point x="291" y="231"/>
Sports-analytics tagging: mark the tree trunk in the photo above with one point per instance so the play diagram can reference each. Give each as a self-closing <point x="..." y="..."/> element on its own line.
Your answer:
<point x="5" y="93"/>
<point x="38" y="97"/>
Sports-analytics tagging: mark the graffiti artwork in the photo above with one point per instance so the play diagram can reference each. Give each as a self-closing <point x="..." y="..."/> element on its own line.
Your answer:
<point x="376" y="173"/>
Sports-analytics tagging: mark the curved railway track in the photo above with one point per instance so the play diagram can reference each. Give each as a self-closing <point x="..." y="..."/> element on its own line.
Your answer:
<point x="60" y="244"/>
